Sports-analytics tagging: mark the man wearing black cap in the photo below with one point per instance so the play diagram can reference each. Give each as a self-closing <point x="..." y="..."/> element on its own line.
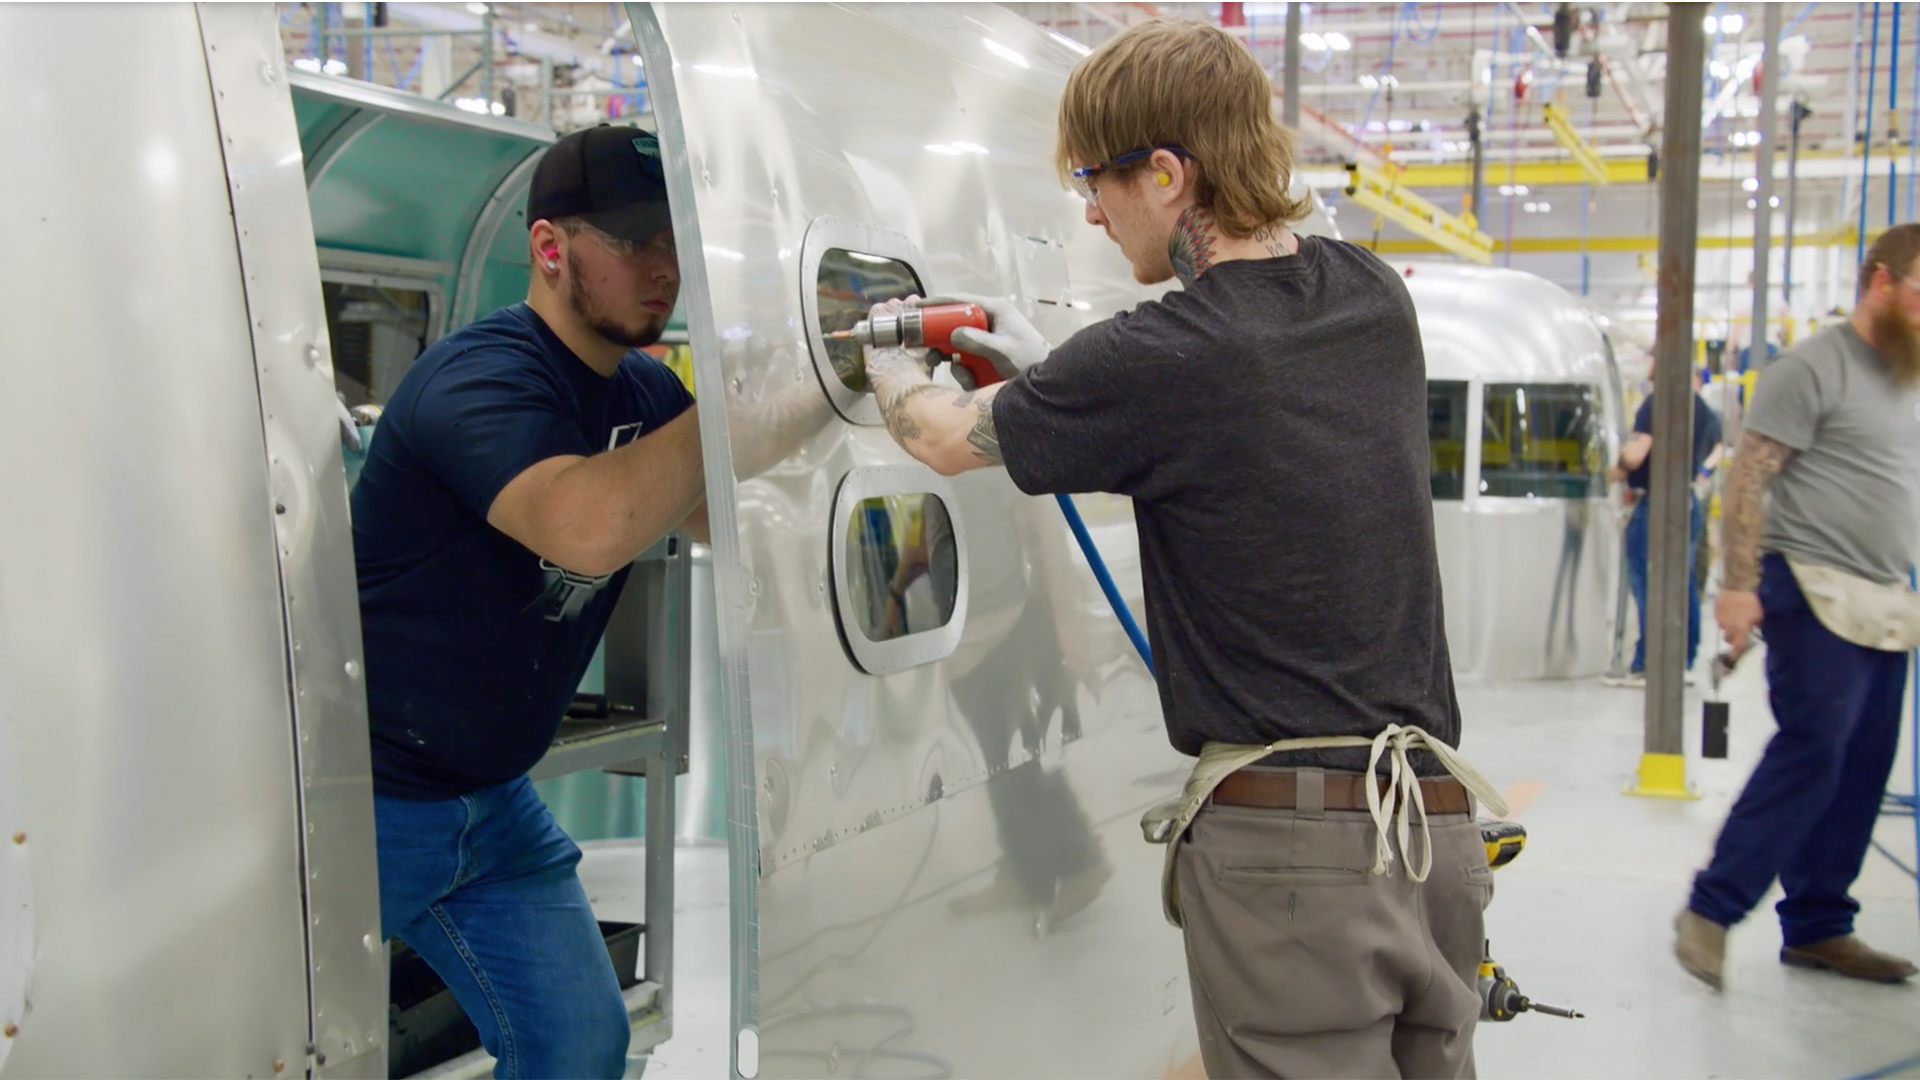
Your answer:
<point x="521" y="465"/>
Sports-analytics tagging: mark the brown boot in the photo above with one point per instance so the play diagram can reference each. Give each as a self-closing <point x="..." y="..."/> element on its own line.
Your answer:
<point x="1700" y="944"/>
<point x="1849" y="956"/>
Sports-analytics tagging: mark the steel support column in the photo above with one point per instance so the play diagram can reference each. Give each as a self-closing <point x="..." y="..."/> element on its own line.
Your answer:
<point x="1662" y="769"/>
<point x="1290" y="88"/>
<point x="1763" y="198"/>
<point x="1798" y="113"/>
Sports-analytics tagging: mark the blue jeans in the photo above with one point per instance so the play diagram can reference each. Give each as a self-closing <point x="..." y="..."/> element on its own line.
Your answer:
<point x="1807" y="813"/>
<point x="483" y="888"/>
<point x="1637" y="577"/>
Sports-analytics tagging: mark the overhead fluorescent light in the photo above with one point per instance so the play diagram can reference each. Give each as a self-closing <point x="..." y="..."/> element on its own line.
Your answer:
<point x="720" y="252"/>
<point x="1369" y="82"/>
<point x="1710" y="24"/>
<point x="1337" y="41"/>
<point x="1733" y="24"/>
<point x="1751" y="183"/>
<point x="1314" y="42"/>
<point x="1005" y="53"/>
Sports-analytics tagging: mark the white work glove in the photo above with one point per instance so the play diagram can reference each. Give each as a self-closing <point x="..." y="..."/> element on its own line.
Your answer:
<point x="1012" y="346"/>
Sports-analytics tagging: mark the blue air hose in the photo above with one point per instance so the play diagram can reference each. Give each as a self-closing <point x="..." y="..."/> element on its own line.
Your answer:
<point x="1100" y="574"/>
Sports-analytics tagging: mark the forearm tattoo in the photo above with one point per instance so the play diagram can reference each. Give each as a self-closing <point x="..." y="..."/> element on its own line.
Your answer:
<point x="1190" y="248"/>
<point x="1758" y="461"/>
<point x="899" y="377"/>
<point x="983" y="438"/>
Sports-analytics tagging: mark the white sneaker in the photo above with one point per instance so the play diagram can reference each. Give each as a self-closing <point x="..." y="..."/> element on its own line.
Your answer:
<point x="1633" y="680"/>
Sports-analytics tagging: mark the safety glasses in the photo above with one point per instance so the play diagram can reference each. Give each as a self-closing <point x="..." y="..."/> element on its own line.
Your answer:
<point x="1083" y="179"/>
<point x="627" y="249"/>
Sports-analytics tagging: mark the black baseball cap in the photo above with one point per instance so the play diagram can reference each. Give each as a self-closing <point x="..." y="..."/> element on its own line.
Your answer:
<point x="610" y="176"/>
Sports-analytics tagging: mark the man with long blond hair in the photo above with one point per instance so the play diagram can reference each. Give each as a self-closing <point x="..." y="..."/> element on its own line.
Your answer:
<point x="1269" y="422"/>
<point x="1833" y="437"/>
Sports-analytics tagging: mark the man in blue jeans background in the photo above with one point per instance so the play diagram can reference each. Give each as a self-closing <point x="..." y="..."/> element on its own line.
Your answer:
<point x="1634" y="467"/>
<point x="1832" y="438"/>
<point x="521" y="465"/>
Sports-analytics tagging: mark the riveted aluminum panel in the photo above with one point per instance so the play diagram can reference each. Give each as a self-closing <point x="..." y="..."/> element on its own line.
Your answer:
<point x="937" y="870"/>
<point x="313" y="536"/>
<point x="144" y="633"/>
<point x="16" y="879"/>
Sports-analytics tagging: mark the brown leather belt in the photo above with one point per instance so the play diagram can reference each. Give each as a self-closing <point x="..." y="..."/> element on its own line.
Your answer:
<point x="1344" y="791"/>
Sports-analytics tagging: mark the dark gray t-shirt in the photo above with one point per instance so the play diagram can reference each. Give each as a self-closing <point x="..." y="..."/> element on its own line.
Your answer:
<point x="1849" y="497"/>
<point x="1270" y="425"/>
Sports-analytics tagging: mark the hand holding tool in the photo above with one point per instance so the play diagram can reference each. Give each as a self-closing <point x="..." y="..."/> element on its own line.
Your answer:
<point x="1010" y="341"/>
<point x="928" y="326"/>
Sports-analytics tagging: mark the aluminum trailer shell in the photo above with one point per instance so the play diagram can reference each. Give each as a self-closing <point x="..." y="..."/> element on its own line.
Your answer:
<point x="179" y="584"/>
<point x="1530" y="583"/>
<point x="906" y="845"/>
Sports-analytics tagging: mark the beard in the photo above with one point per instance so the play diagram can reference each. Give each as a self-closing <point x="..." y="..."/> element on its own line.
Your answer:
<point x="597" y="320"/>
<point x="1899" y="343"/>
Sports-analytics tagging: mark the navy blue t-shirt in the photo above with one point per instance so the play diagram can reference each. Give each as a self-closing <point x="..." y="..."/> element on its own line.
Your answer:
<point x="1706" y="434"/>
<point x="474" y="644"/>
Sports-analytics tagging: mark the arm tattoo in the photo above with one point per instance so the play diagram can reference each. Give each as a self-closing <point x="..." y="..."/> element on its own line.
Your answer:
<point x="1757" y="462"/>
<point x="1190" y="248"/>
<point x="983" y="438"/>
<point x="898" y="377"/>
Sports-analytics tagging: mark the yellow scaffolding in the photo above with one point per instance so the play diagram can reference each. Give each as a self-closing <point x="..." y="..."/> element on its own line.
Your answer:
<point x="1585" y="156"/>
<point x="1453" y="233"/>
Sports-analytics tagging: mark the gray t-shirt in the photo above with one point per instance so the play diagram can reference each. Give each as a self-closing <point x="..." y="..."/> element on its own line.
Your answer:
<point x="1270" y="424"/>
<point x="1849" y="497"/>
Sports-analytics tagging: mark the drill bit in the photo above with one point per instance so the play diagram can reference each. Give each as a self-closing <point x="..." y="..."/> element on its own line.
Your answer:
<point x="1552" y="1010"/>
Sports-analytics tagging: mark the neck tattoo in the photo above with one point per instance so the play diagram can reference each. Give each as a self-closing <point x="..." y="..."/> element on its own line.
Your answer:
<point x="1190" y="248"/>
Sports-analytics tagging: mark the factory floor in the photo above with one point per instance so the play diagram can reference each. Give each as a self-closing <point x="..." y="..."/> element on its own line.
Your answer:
<point x="1582" y="919"/>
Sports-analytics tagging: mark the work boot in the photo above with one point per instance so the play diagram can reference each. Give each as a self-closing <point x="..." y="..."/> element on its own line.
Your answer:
<point x="1848" y="955"/>
<point x="1700" y="944"/>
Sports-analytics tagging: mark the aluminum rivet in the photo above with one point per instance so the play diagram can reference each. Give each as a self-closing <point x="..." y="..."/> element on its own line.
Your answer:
<point x="279" y="508"/>
<point x="10" y="1030"/>
<point x="20" y="837"/>
<point x="279" y="1066"/>
<point x="353" y="669"/>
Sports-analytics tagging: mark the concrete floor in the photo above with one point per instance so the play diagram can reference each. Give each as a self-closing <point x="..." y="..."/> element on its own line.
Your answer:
<point x="1582" y="919"/>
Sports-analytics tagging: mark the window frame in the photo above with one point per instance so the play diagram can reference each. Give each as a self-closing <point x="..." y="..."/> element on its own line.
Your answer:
<point x="827" y="234"/>
<point x="912" y="650"/>
<point x="1595" y="422"/>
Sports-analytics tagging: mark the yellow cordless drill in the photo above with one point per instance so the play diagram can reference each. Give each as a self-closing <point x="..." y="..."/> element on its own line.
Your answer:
<point x="1500" y="996"/>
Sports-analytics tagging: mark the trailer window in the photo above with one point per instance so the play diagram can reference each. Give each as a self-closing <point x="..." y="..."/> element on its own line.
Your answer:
<point x="899" y="567"/>
<point x="849" y="284"/>
<point x="1447" y="439"/>
<point x="902" y="566"/>
<point x="1540" y="440"/>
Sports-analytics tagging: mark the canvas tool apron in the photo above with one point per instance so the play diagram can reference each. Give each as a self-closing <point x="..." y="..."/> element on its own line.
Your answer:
<point x="1167" y="822"/>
